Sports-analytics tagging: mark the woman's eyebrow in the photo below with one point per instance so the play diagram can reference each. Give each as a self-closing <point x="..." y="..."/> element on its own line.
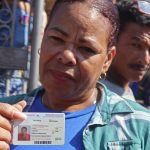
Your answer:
<point x="90" y="41"/>
<point x="56" y="28"/>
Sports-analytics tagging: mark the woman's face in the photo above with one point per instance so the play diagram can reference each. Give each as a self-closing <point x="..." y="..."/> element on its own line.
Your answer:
<point x="74" y="51"/>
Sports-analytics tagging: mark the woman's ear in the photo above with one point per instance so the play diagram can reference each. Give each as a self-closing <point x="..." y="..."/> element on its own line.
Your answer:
<point x="108" y="60"/>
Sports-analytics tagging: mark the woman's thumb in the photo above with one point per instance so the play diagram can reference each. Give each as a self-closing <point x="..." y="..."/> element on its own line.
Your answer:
<point x="17" y="112"/>
<point x="20" y="105"/>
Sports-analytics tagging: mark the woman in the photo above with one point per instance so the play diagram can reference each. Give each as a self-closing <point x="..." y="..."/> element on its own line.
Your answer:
<point x="77" y="48"/>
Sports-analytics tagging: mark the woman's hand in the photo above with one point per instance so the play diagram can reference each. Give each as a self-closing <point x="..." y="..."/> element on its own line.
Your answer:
<point x="7" y="113"/>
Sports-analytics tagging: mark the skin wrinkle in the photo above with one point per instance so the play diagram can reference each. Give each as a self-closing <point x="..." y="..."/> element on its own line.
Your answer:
<point x="85" y="25"/>
<point x="145" y="38"/>
<point x="107" y="13"/>
<point x="86" y="21"/>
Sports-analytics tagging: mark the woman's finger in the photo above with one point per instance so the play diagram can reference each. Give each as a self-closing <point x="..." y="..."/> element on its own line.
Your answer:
<point x="20" y="105"/>
<point x="5" y="135"/>
<point x="12" y="111"/>
<point x="5" y="123"/>
<point x="4" y="145"/>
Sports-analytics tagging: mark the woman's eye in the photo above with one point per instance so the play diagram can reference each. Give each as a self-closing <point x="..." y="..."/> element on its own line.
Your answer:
<point x="87" y="49"/>
<point x="56" y="39"/>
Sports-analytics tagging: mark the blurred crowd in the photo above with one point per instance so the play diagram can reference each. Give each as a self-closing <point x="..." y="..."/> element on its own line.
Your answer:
<point x="22" y="37"/>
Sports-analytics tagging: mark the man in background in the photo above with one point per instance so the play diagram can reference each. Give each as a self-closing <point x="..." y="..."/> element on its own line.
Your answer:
<point x="133" y="47"/>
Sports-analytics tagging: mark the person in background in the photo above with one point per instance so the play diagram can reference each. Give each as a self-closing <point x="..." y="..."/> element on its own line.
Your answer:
<point x="77" y="48"/>
<point x="133" y="47"/>
<point x="23" y="134"/>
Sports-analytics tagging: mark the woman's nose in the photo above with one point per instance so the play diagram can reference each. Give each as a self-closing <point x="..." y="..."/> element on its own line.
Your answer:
<point x="67" y="57"/>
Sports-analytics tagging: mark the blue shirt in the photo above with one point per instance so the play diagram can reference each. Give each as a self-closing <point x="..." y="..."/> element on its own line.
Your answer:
<point x="74" y="126"/>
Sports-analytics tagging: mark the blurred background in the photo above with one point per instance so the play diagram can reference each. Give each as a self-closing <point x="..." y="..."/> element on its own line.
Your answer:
<point x="22" y="24"/>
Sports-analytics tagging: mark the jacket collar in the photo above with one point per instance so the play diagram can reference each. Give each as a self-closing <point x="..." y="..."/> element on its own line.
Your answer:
<point x="109" y="104"/>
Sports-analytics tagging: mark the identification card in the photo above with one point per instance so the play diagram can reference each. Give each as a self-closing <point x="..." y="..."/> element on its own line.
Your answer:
<point x="39" y="129"/>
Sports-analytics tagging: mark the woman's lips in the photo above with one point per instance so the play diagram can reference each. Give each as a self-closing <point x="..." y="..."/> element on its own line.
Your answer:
<point x="61" y="76"/>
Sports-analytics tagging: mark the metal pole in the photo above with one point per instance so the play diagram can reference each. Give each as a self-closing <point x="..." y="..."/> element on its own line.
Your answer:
<point x="36" y="44"/>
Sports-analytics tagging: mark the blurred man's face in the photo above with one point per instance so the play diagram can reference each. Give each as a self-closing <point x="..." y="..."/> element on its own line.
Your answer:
<point x="133" y="52"/>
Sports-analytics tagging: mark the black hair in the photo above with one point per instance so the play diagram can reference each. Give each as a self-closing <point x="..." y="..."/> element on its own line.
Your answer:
<point x="129" y="12"/>
<point x="24" y="128"/>
<point x="106" y="8"/>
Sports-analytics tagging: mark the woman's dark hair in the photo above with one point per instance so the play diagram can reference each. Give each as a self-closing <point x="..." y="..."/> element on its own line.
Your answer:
<point x="104" y="7"/>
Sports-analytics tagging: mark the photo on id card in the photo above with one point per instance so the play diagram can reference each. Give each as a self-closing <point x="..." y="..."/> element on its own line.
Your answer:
<point x="39" y="129"/>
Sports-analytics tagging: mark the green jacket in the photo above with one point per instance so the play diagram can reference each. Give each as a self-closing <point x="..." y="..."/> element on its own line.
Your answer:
<point x="116" y="124"/>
